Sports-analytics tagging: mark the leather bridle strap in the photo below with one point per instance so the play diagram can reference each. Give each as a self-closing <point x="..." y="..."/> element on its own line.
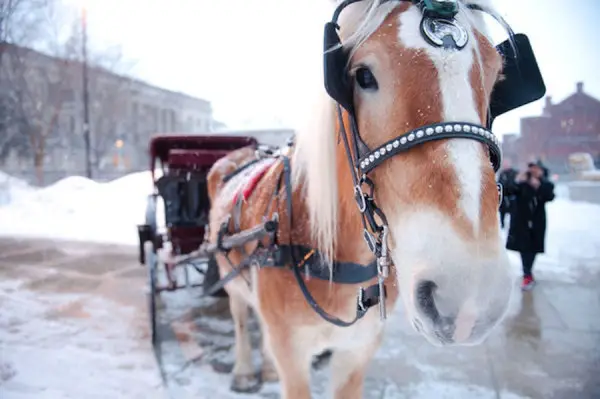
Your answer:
<point x="365" y="201"/>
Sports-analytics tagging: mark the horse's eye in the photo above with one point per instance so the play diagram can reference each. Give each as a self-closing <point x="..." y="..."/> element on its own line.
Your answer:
<point x="365" y="79"/>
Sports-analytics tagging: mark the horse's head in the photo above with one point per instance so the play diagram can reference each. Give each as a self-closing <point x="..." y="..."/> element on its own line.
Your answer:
<point x="416" y="78"/>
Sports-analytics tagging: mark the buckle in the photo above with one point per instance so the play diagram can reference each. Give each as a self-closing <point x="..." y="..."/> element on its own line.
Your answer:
<point x="383" y="260"/>
<point x="360" y="198"/>
<point x="360" y="300"/>
<point x="371" y="241"/>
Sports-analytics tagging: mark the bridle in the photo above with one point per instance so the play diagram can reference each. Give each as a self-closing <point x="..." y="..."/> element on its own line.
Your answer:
<point x="361" y="159"/>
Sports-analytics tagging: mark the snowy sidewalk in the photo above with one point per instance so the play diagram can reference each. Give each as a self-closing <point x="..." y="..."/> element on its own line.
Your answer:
<point x="548" y="347"/>
<point x="73" y="324"/>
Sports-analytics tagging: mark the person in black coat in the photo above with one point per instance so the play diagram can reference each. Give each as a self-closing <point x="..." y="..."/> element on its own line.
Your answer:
<point x="506" y="177"/>
<point x="527" y="230"/>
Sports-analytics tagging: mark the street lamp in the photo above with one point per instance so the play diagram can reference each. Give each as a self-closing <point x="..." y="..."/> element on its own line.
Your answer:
<point x="86" y="110"/>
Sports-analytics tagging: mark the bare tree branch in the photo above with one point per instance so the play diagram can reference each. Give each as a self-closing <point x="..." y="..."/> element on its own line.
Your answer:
<point x="35" y="86"/>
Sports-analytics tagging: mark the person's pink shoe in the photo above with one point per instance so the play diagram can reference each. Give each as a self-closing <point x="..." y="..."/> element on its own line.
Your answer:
<point x="528" y="283"/>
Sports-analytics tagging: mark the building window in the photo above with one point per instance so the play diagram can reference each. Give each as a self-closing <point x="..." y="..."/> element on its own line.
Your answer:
<point x="567" y="124"/>
<point x="152" y="113"/>
<point x="67" y="95"/>
<point x="173" y="120"/>
<point x="135" y="111"/>
<point x="164" y="125"/>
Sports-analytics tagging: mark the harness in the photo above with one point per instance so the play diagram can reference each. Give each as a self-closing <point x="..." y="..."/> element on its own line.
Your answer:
<point x="304" y="262"/>
<point x="440" y="28"/>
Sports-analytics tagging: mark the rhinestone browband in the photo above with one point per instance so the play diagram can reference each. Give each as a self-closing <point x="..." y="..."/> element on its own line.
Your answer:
<point x="445" y="130"/>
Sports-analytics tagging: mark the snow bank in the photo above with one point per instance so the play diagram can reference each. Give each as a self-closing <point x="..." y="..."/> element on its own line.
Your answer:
<point x="77" y="208"/>
<point x="12" y="189"/>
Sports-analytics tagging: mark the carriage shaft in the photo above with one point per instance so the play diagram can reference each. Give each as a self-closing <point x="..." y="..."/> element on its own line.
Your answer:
<point x="231" y="241"/>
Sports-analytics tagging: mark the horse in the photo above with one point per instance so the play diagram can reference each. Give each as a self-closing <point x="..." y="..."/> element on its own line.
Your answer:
<point x="387" y="194"/>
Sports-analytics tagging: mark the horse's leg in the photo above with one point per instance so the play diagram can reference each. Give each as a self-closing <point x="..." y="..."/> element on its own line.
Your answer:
<point x="244" y="376"/>
<point x="268" y="370"/>
<point x="292" y="359"/>
<point x="348" y="368"/>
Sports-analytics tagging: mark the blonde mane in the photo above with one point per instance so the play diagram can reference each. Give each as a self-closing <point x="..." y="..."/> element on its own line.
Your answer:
<point x="314" y="157"/>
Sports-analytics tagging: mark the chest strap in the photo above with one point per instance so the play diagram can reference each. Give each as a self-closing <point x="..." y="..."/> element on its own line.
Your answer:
<point x="311" y="265"/>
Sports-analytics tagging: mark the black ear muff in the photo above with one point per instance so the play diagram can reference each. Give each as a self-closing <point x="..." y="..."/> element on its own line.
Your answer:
<point x="522" y="83"/>
<point x="335" y="59"/>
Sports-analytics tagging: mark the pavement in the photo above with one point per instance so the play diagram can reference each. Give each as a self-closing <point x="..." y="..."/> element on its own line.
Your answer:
<point x="74" y="324"/>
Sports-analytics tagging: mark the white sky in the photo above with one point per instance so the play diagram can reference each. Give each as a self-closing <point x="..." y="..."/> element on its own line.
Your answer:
<point x="252" y="58"/>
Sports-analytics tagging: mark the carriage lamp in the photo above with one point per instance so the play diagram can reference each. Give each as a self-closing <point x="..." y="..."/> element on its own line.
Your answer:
<point x="441" y="8"/>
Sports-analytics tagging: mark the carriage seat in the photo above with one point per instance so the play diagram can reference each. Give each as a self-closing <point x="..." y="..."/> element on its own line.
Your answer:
<point x="185" y="198"/>
<point x="184" y="189"/>
<point x="192" y="160"/>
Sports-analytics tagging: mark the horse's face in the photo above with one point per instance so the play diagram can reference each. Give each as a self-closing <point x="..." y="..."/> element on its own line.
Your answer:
<point x="440" y="198"/>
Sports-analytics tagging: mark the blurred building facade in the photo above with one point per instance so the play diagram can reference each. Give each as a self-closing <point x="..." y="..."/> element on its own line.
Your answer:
<point x="42" y="97"/>
<point x="572" y="125"/>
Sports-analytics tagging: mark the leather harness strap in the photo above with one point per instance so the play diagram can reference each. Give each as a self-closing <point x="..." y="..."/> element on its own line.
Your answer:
<point x="366" y="298"/>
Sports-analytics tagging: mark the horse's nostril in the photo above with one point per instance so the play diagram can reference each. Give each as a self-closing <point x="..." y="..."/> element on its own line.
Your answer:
<point x="425" y="301"/>
<point x="443" y="324"/>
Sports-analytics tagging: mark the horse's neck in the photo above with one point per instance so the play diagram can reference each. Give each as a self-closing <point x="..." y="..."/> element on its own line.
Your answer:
<point x="350" y="242"/>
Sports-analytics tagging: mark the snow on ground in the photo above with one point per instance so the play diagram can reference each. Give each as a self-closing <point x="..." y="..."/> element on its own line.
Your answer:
<point x="87" y="354"/>
<point x="77" y="208"/>
<point x="12" y="189"/>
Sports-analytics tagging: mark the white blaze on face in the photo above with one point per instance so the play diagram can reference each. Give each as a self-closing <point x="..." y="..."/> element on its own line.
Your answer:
<point x="453" y="69"/>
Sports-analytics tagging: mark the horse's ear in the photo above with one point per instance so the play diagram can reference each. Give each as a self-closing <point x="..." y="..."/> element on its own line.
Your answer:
<point x="335" y="59"/>
<point x="522" y="82"/>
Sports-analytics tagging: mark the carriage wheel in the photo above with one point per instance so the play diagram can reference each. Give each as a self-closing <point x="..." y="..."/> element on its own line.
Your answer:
<point x="152" y="264"/>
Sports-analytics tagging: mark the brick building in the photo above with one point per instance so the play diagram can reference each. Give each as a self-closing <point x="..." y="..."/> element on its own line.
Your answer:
<point x="572" y="125"/>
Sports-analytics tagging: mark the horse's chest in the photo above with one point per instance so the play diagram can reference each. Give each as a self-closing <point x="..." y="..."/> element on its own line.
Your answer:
<point x="361" y="334"/>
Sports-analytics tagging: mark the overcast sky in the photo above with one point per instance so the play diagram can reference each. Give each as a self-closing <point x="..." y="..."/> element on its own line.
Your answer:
<point x="250" y="57"/>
